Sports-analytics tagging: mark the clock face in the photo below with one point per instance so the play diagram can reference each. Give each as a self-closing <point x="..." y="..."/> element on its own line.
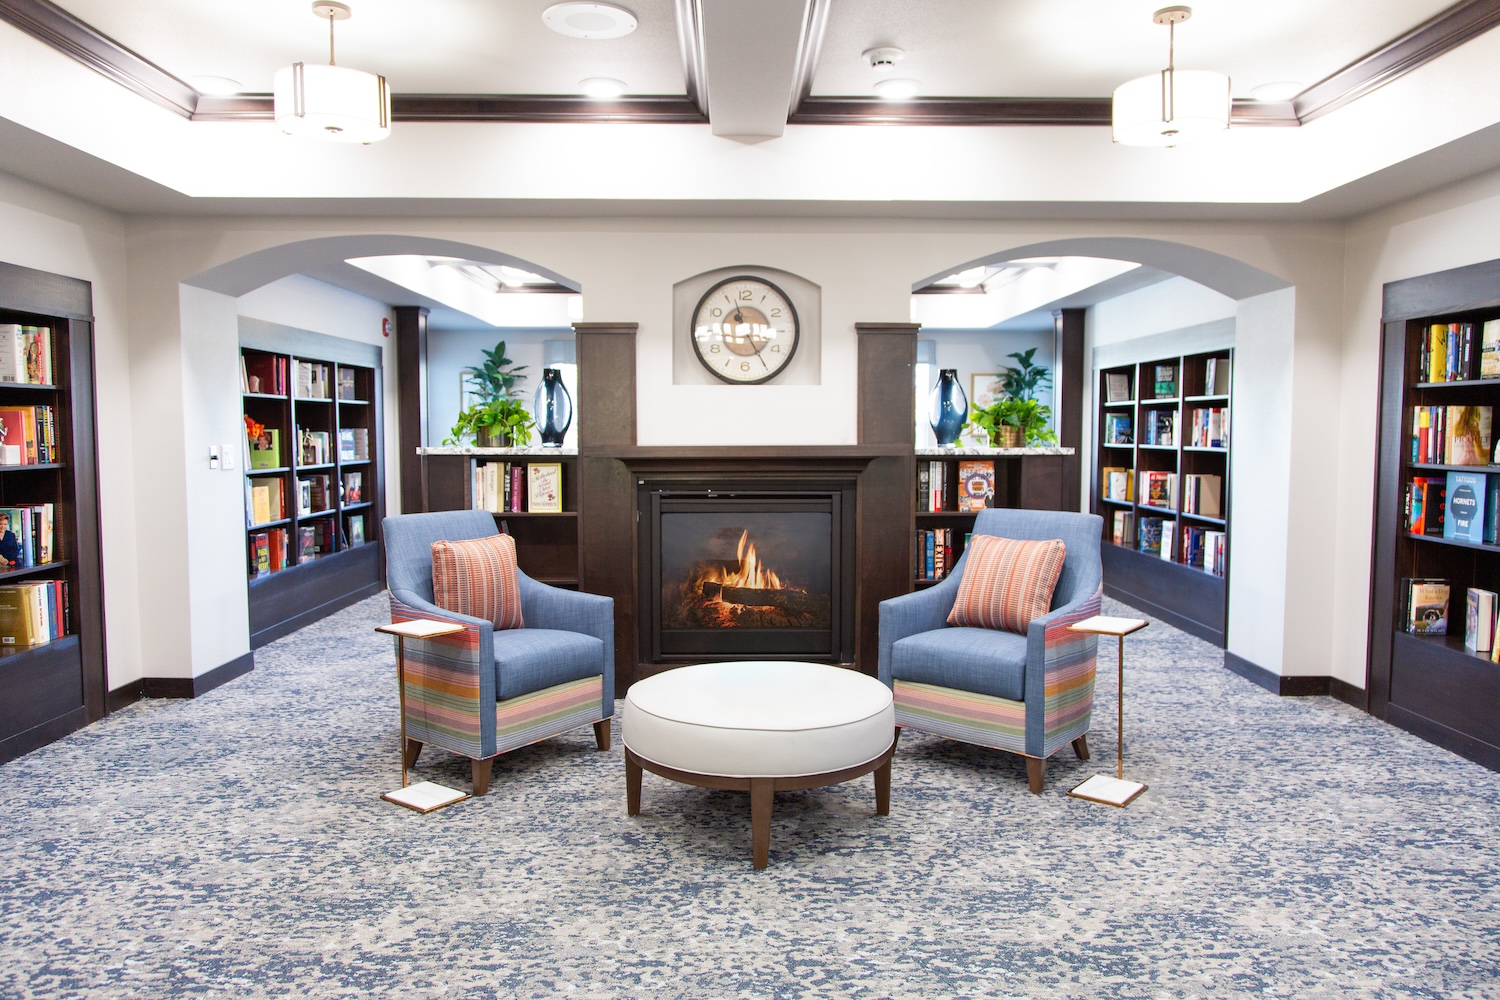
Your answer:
<point x="745" y="330"/>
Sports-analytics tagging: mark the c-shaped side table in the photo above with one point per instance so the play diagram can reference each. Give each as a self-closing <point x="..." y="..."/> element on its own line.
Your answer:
<point x="1114" y="791"/>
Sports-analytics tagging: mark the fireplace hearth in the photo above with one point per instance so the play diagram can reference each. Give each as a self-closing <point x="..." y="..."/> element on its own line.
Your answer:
<point x="733" y="570"/>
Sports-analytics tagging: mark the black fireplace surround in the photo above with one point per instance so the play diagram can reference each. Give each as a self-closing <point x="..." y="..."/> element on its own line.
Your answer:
<point x="748" y="568"/>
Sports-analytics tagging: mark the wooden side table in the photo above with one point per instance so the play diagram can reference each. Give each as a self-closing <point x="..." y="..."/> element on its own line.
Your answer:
<point x="1114" y="791"/>
<point x="424" y="796"/>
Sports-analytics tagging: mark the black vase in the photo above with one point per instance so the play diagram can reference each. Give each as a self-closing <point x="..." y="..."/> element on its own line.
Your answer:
<point x="948" y="407"/>
<point x="553" y="407"/>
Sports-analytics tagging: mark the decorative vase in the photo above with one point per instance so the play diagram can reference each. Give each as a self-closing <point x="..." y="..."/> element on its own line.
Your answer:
<point x="947" y="407"/>
<point x="1010" y="437"/>
<point x="553" y="408"/>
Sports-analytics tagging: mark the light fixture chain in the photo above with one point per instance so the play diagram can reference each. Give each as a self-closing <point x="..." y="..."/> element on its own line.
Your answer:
<point x="330" y="38"/>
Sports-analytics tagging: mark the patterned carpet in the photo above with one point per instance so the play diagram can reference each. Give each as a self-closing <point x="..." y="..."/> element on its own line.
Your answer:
<point x="236" y="846"/>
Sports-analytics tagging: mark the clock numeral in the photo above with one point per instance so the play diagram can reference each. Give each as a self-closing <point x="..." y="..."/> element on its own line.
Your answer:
<point x="744" y="366"/>
<point x="776" y="348"/>
<point x="713" y="348"/>
<point x="716" y="312"/>
<point x="745" y="294"/>
<point x="775" y="313"/>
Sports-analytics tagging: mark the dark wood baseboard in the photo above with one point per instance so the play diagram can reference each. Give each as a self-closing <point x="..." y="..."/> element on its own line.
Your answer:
<point x="39" y="736"/>
<point x="182" y="687"/>
<point x="123" y="697"/>
<point x="1462" y="744"/>
<point x="1293" y="687"/>
<point x="1349" y="694"/>
<point x="287" y="626"/>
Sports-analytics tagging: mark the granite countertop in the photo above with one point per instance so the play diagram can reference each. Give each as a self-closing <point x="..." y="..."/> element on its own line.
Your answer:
<point x="955" y="452"/>
<point x="536" y="451"/>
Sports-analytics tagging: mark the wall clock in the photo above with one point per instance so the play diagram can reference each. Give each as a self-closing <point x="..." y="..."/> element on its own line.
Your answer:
<point x="745" y="330"/>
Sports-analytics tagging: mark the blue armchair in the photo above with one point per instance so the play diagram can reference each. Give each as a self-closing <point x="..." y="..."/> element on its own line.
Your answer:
<point x="1028" y="694"/>
<point x="483" y="692"/>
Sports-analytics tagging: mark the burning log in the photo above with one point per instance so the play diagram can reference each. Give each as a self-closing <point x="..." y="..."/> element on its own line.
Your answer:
<point x="793" y="601"/>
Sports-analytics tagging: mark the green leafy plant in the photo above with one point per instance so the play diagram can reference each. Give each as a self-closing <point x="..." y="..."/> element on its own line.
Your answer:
<point x="497" y="413"/>
<point x="1018" y="406"/>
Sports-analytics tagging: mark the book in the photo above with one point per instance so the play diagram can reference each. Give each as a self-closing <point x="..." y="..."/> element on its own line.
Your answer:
<point x="544" y="487"/>
<point x="976" y="485"/>
<point x="1117" y="429"/>
<point x="1123" y="527"/>
<point x="265" y="450"/>
<point x="19" y="616"/>
<point x="260" y="554"/>
<point x="307" y="546"/>
<point x="12" y="353"/>
<point x="1148" y="531"/>
<point x="1479" y="620"/>
<point x="1466" y="435"/>
<point x="1427" y="607"/>
<point x="346" y="383"/>
<point x="1466" y="503"/>
<point x="1489" y="350"/>
<point x="356" y="529"/>
<point x="353" y="488"/>
<point x="1117" y="482"/>
<point x="1166" y="380"/>
<point x="1116" y="387"/>
<point x="346" y="445"/>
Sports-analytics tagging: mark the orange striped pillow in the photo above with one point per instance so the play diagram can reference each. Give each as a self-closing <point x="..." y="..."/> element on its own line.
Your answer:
<point x="477" y="577"/>
<point x="1007" y="582"/>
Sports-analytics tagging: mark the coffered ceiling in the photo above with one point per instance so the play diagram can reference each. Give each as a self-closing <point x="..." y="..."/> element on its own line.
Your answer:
<point x="731" y="102"/>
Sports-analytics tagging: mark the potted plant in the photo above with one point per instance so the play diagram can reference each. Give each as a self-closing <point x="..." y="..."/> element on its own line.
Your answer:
<point x="1018" y="418"/>
<point x="497" y="417"/>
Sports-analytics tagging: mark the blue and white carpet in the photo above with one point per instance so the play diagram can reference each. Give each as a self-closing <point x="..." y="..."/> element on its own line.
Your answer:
<point x="236" y="846"/>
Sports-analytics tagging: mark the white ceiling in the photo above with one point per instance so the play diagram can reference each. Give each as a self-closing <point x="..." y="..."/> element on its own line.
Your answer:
<point x="956" y="48"/>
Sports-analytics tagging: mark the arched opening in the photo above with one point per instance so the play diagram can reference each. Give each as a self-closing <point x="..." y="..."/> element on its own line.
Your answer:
<point x="1090" y="307"/>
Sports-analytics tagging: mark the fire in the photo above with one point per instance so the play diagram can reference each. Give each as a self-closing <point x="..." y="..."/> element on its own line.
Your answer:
<point x="751" y="573"/>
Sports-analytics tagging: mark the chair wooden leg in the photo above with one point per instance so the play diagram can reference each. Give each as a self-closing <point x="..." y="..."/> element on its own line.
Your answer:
<point x="1036" y="773"/>
<point x="601" y="734"/>
<point x="1081" y="747"/>
<point x="762" y="797"/>
<point x="632" y="785"/>
<point x="883" y="789"/>
<point x="481" y="770"/>
<point x="413" y="748"/>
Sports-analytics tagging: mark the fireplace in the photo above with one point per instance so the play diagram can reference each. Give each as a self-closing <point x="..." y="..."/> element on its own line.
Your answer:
<point x="737" y="570"/>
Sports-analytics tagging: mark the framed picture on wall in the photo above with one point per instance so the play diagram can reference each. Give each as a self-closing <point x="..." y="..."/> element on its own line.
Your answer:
<point x="985" y="388"/>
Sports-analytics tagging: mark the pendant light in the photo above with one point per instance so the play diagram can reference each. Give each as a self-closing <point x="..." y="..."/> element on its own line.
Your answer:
<point x="1165" y="108"/>
<point x="331" y="102"/>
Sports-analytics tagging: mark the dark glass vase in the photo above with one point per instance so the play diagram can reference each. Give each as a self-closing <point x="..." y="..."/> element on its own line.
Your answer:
<point x="553" y="408"/>
<point x="947" y="407"/>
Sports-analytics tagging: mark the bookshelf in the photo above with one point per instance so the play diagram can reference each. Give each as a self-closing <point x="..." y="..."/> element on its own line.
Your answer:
<point x="546" y="540"/>
<point x="1432" y="685"/>
<point x="1018" y="477"/>
<point x="1161" y="483"/>
<point x="56" y="685"/>
<point x="312" y="477"/>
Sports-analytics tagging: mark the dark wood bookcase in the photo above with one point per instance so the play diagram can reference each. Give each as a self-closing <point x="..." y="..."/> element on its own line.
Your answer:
<point x="546" y="542"/>
<point x="1430" y="685"/>
<point x="1189" y="588"/>
<point x="328" y="434"/>
<point x="1030" y="481"/>
<point x="53" y="688"/>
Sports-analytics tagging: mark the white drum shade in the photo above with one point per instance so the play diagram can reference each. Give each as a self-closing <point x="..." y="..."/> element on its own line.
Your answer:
<point x="332" y="102"/>
<point x="1170" y="107"/>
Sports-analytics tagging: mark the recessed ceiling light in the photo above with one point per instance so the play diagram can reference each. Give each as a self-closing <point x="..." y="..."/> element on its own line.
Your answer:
<point x="589" y="20"/>
<point x="1282" y="90"/>
<point x="216" y="86"/>
<point x="897" y="90"/>
<point x="601" y="88"/>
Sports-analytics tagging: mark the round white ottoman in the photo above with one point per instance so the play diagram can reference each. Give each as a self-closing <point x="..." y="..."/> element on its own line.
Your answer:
<point x="761" y="727"/>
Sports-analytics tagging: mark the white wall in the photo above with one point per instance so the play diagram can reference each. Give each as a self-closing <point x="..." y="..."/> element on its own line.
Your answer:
<point x="50" y="232"/>
<point x="986" y="351"/>
<point x="1448" y="228"/>
<point x="1173" y="304"/>
<point x="305" y="304"/>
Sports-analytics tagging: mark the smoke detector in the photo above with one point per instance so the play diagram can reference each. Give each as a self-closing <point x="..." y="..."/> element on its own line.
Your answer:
<point x="882" y="60"/>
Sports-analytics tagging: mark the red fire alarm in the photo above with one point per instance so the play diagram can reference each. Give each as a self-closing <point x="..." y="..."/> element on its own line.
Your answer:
<point x="385" y="326"/>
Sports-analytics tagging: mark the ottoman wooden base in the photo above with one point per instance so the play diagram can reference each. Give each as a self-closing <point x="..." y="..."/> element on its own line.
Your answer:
<point x="762" y="790"/>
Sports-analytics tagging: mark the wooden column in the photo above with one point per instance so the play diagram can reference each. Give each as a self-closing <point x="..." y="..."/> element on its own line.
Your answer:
<point x="605" y="411"/>
<point x="411" y="404"/>
<point x="887" y="355"/>
<point x="1067" y="400"/>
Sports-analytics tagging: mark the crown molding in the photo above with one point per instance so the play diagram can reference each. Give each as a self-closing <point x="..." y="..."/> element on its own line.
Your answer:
<point x="55" y="27"/>
<point x="483" y="108"/>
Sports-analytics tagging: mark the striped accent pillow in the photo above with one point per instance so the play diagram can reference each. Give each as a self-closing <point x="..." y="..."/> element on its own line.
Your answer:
<point x="1007" y="582"/>
<point x="477" y="577"/>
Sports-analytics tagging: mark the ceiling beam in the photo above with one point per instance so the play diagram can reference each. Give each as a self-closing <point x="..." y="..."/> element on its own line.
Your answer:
<point x="664" y="110"/>
<point x="752" y="55"/>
